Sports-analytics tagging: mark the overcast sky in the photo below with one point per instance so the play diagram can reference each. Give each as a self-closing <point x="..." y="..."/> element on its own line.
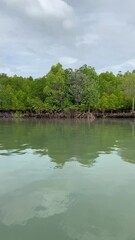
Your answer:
<point x="35" y="34"/>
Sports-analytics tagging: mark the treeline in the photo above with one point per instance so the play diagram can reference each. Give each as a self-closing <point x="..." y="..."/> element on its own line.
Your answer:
<point x="82" y="89"/>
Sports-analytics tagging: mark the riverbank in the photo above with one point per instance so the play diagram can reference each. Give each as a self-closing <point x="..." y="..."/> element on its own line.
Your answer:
<point x="70" y="114"/>
<point x="114" y="114"/>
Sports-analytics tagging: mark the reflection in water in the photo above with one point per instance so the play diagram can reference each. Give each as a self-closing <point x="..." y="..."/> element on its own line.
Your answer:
<point x="67" y="180"/>
<point x="40" y="202"/>
<point x="72" y="140"/>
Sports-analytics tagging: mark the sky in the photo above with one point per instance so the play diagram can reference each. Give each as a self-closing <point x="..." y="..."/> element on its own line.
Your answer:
<point x="36" y="34"/>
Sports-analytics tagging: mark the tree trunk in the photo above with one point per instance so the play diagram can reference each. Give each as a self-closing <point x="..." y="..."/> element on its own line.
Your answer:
<point x="89" y="108"/>
<point x="133" y="104"/>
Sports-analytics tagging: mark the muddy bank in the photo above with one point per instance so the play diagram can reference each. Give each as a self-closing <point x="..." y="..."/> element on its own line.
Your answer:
<point x="71" y="114"/>
<point x="47" y="115"/>
<point x="114" y="114"/>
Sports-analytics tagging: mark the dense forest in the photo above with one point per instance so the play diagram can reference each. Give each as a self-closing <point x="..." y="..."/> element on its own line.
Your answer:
<point x="65" y="89"/>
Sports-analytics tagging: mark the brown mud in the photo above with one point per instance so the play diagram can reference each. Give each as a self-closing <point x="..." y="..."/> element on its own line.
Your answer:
<point x="70" y="114"/>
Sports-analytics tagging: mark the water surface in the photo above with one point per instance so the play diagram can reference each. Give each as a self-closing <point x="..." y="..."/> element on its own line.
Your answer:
<point x="67" y="180"/>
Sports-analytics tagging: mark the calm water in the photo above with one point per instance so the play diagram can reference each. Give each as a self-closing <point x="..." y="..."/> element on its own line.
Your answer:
<point x="67" y="180"/>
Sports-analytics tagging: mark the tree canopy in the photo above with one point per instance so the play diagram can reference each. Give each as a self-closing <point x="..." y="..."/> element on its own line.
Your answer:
<point x="64" y="89"/>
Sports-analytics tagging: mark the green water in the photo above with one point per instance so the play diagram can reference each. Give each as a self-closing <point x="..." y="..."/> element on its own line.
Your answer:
<point x="67" y="180"/>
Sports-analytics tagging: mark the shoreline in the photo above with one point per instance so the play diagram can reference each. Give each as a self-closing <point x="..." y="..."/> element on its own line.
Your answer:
<point x="70" y="114"/>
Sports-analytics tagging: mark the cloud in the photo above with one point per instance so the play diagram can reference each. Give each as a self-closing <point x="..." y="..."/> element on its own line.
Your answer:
<point x="68" y="60"/>
<point x="6" y="70"/>
<point x="43" y="11"/>
<point x="87" y="39"/>
<point x="39" y="33"/>
<point x="125" y="66"/>
<point x="40" y="203"/>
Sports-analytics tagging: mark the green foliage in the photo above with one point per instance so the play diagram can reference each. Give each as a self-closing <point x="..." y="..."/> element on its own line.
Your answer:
<point x="129" y="86"/>
<point x="54" y="90"/>
<point x="91" y="87"/>
<point x="75" y="87"/>
<point x="82" y="89"/>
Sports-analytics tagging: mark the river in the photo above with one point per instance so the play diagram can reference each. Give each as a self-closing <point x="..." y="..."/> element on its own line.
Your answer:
<point x="67" y="180"/>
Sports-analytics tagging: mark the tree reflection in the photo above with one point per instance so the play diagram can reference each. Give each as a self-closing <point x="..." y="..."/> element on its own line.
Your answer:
<point x="67" y="141"/>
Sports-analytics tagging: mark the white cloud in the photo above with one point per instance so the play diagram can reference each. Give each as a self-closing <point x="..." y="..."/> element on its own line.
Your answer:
<point x="7" y="70"/>
<point x="67" y="60"/>
<point x="41" y="203"/>
<point x="39" y="33"/>
<point x="44" y="10"/>
<point x="87" y="39"/>
<point x="125" y="66"/>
